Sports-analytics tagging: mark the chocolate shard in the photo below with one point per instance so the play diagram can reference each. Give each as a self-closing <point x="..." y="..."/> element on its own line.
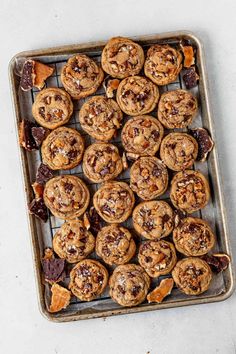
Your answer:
<point x="205" y="143"/>
<point x="53" y="269"/>
<point x="39" y="209"/>
<point x="28" y="75"/>
<point x="25" y="135"/>
<point x="95" y="221"/>
<point x="218" y="262"/>
<point x="190" y="77"/>
<point x="43" y="174"/>
<point x="39" y="134"/>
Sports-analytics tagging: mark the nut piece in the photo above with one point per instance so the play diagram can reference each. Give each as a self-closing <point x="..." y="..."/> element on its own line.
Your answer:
<point x="48" y="253"/>
<point x="60" y="298"/>
<point x="205" y="143"/>
<point x="190" y="77"/>
<point x="110" y="86"/>
<point x="131" y="156"/>
<point x="218" y="261"/>
<point x="161" y="291"/>
<point x="38" y="190"/>
<point x="124" y="161"/>
<point x="86" y="221"/>
<point x="188" y="55"/>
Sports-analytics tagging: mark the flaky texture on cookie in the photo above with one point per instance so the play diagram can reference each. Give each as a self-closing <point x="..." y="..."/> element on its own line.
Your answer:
<point x="192" y="275"/>
<point x="129" y="285"/>
<point x="81" y="76"/>
<point x="66" y="196"/>
<point x="88" y="279"/>
<point x="52" y="107"/>
<point x="122" y="57"/>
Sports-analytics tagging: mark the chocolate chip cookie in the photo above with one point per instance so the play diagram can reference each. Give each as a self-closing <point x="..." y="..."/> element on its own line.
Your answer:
<point x="114" y="201"/>
<point x="142" y="135"/>
<point x="153" y="219"/>
<point x="192" y="275"/>
<point x="102" y="162"/>
<point x="137" y="95"/>
<point x="100" y="117"/>
<point x="88" y="279"/>
<point x="162" y="64"/>
<point x="178" y="151"/>
<point x="177" y="109"/>
<point x="148" y="177"/>
<point x="157" y="257"/>
<point x="52" y="107"/>
<point x="189" y="191"/>
<point x="66" y="196"/>
<point x="81" y="76"/>
<point x="115" y="245"/>
<point x="129" y="285"/>
<point x="122" y="57"/>
<point x="63" y="149"/>
<point x="73" y="241"/>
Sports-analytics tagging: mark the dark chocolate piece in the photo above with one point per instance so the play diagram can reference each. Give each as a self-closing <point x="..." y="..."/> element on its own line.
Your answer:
<point x="39" y="209"/>
<point x="95" y="221"/>
<point x="205" y="143"/>
<point x="27" y="78"/>
<point x="39" y="134"/>
<point x="44" y="173"/>
<point x="54" y="269"/>
<point x="217" y="262"/>
<point x="190" y="77"/>
<point x="25" y="135"/>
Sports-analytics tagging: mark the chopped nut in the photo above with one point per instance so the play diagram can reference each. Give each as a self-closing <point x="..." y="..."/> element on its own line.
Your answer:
<point x="160" y="292"/>
<point x="110" y="86"/>
<point x="26" y="138"/>
<point x="86" y="221"/>
<point x="132" y="157"/>
<point x="53" y="268"/>
<point x="190" y="77"/>
<point x="44" y="173"/>
<point x="178" y="216"/>
<point x="124" y="161"/>
<point x="188" y="55"/>
<point x="205" y="143"/>
<point x="34" y="74"/>
<point x="48" y="253"/>
<point x="39" y="134"/>
<point x="39" y="209"/>
<point x="42" y="72"/>
<point x="60" y="298"/>
<point x="38" y="190"/>
<point x="218" y="262"/>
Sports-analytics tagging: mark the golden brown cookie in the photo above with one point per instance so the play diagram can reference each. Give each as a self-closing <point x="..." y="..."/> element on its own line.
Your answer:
<point x="100" y="117"/>
<point x="148" y="177"/>
<point x="142" y="135"/>
<point x="66" y="196"/>
<point x="192" y="275"/>
<point x="73" y="241"/>
<point x="63" y="149"/>
<point x="129" y="285"/>
<point x="137" y="95"/>
<point x="178" y="151"/>
<point x="114" y="201"/>
<point x="162" y="64"/>
<point x="88" y="279"/>
<point x="193" y="237"/>
<point x="52" y="107"/>
<point x="115" y="245"/>
<point x="177" y="109"/>
<point x="189" y="191"/>
<point x="153" y="219"/>
<point x="122" y="57"/>
<point x="81" y="76"/>
<point x="102" y="162"/>
<point x="157" y="257"/>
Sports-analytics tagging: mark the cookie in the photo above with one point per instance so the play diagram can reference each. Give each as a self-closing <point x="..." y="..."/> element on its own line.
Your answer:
<point x="193" y="237"/>
<point x="88" y="279"/>
<point x="73" y="241"/>
<point x="192" y="275"/>
<point x="114" y="201"/>
<point x="157" y="257"/>
<point x="153" y="219"/>
<point x="148" y="177"/>
<point x="189" y="191"/>
<point x="81" y="76"/>
<point x="52" y="107"/>
<point x="100" y="117"/>
<point x="178" y="151"/>
<point x="177" y="109"/>
<point x="115" y="245"/>
<point x="122" y="57"/>
<point x="142" y="135"/>
<point x="129" y="285"/>
<point x="66" y="196"/>
<point x="162" y="64"/>
<point x="63" y="149"/>
<point x="137" y="95"/>
<point x="102" y="162"/>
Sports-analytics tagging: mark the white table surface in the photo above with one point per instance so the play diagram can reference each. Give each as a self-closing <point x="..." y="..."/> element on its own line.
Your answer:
<point x="33" y="24"/>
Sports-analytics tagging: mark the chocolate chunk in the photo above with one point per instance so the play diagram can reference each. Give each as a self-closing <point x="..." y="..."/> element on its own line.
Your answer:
<point x="53" y="269"/>
<point x="39" y="209"/>
<point x="121" y="289"/>
<point x="166" y="218"/>
<point x="39" y="134"/>
<point x="155" y="134"/>
<point x="43" y="174"/>
<point x="25" y="135"/>
<point x="95" y="221"/>
<point x="27" y="78"/>
<point x="68" y="187"/>
<point x="205" y="143"/>
<point x="218" y="262"/>
<point x="135" y="290"/>
<point x="156" y="171"/>
<point x="104" y="171"/>
<point x="190" y="78"/>
<point x="72" y="154"/>
<point x="84" y="270"/>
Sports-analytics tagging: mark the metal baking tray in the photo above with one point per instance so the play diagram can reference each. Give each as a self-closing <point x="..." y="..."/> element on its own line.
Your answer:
<point x="41" y="234"/>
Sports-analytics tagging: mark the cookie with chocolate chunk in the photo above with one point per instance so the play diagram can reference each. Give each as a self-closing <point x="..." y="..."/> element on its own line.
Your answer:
<point x="66" y="196"/>
<point x="114" y="201"/>
<point x="115" y="245"/>
<point x="52" y="107"/>
<point x="81" y="76"/>
<point x="122" y="57"/>
<point x="137" y="95"/>
<point x="88" y="279"/>
<point x="153" y="219"/>
<point x="148" y="177"/>
<point x="63" y="149"/>
<point x="102" y="162"/>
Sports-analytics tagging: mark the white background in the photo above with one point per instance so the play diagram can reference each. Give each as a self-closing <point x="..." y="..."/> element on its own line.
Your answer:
<point x="33" y="24"/>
